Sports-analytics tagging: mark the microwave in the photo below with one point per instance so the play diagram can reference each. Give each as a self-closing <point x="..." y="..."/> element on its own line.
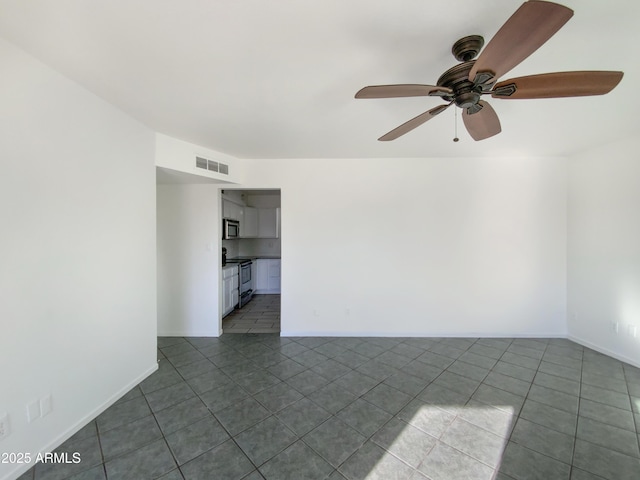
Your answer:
<point x="230" y="229"/>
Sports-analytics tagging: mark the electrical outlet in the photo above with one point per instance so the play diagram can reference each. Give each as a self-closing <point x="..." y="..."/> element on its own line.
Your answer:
<point x="633" y="331"/>
<point x="33" y="410"/>
<point x="45" y="405"/>
<point x="5" y="428"/>
<point x="614" y="327"/>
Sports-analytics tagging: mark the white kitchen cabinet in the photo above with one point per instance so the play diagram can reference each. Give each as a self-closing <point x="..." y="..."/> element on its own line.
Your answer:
<point x="268" y="275"/>
<point x="268" y="222"/>
<point x="231" y="210"/>
<point x="273" y="281"/>
<point x="262" y="275"/>
<point x="229" y="289"/>
<point x="249" y="223"/>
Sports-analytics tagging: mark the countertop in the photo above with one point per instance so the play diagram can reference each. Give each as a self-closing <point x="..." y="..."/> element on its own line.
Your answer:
<point x="253" y="257"/>
<point x="232" y="262"/>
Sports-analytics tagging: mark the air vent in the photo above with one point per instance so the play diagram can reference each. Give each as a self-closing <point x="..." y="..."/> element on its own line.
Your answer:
<point x="212" y="165"/>
<point x="201" y="162"/>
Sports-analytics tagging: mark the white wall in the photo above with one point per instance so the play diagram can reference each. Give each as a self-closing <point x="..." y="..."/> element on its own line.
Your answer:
<point x="421" y="246"/>
<point x="189" y="257"/>
<point x="77" y="249"/>
<point x="604" y="249"/>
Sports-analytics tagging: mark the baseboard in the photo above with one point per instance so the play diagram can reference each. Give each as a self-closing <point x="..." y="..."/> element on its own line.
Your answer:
<point x="71" y="431"/>
<point x="190" y="334"/>
<point x="287" y="333"/>
<point x="604" y="351"/>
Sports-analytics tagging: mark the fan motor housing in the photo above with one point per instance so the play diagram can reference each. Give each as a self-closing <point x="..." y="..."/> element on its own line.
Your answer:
<point x="466" y="94"/>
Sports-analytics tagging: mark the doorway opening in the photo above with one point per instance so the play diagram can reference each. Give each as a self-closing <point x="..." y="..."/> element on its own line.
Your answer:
<point x="252" y="256"/>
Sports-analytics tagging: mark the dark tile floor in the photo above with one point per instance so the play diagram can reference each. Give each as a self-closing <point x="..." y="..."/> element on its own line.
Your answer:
<point x="263" y="407"/>
<point x="260" y="315"/>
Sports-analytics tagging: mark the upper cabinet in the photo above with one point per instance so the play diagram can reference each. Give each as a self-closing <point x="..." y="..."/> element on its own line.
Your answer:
<point x="231" y="210"/>
<point x="268" y="222"/>
<point x="249" y="223"/>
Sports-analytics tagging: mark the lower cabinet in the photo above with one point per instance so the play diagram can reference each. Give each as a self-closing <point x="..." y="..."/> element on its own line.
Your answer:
<point x="268" y="275"/>
<point x="229" y="289"/>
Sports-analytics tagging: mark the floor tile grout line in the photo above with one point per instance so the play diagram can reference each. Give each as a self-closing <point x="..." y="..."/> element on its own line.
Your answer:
<point x="575" y="435"/>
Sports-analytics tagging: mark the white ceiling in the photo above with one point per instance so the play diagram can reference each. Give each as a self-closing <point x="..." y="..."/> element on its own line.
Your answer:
<point x="276" y="79"/>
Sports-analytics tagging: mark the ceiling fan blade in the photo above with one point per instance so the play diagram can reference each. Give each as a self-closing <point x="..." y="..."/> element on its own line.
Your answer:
<point x="559" y="84"/>
<point x="404" y="90"/>
<point x="527" y="29"/>
<point x="482" y="124"/>
<point x="413" y="123"/>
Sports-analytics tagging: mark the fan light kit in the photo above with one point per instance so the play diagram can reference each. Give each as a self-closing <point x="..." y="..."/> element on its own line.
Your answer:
<point x="528" y="29"/>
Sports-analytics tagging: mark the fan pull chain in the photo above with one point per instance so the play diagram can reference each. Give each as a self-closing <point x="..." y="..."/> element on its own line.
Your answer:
<point x="455" y="122"/>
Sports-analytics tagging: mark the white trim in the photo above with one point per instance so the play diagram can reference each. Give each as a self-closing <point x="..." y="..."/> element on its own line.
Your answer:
<point x="208" y="333"/>
<point x="604" y="351"/>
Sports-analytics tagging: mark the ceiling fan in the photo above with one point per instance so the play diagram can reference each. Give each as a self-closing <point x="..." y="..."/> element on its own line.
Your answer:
<point x="464" y="84"/>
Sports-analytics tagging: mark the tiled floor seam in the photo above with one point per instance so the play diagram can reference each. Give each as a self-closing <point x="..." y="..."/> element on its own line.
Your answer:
<point x="575" y="433"/>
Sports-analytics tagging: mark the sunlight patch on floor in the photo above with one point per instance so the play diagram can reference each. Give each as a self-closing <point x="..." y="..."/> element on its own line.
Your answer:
<point x="476" y="430"/>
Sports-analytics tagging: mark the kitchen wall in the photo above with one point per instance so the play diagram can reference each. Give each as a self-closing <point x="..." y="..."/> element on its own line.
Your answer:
<point x="260" y="246"/>
<point x="78" y="253"/>
<point x="440" y="246"/>
<point x="189" y="257"/>
<point x="604" y="249"/>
